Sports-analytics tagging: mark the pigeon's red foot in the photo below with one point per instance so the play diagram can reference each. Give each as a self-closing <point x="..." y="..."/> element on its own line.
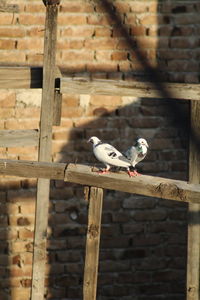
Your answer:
<point x="104" y="171"/>
<point x="136" y="173"/>
<point x="131" y="174"/>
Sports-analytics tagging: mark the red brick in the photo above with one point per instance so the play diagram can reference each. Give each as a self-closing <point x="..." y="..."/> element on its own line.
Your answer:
<point x="138" y="6"/>
<point x="71" y="19"/>
<point x="36" y="31"/>
<point x="150" y="216"/>
<point x="21" y="124"/>
<point x="70" y="44"/>
<point x="152" y="19"/>
<point x="7" y="44"/>
<point x="79" y="7"/>
<point x="30" y="44"/>
<point x="12" y="32"/>
<point x="26" y="282"/>
<point x="122" y="7"/>
<point x="12" y="57"/>
<point x="186" y="19"/>
<point x="102" y="67"/>
<point x="138" y="30"/>
<point x="105" y="20"/>
<point x="34" y="59"/>
<point x="7" y="99"/>
<point x="101" y="44"/>
<point x="105" y="100"/>
<point x="72" y="112"/>
<point x="103" y="32"/>
<point x="25" y="233"/>
<point x="181" y="42"/>
<point x="103" y="55"/>
<point x="21" y="220"/>
<point x="77" y="31"/>
<point x="28" y="207"/>
<point x="35" y="8"/>
<point x="19" y="196"/>
<point x="31" y="19"/>
<point x="78" y="55"/>
<point x="7" y="19"/>
<point x="119" y="55"/>
<point x="20" y="293"/>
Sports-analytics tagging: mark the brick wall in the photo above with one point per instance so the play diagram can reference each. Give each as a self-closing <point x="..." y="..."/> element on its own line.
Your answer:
<point x="143" y="243"/>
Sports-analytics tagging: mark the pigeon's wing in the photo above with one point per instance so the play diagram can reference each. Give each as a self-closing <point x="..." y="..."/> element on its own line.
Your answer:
<point x="140" y="157"/>
<point x="113" y="153"/>
<point x="110" y="155"/>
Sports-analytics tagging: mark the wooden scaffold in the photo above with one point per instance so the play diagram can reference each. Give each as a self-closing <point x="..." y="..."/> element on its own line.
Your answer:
<point x="94" y="184"/>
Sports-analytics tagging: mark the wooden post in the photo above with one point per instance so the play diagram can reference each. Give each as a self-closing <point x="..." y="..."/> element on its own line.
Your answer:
<point x="95" y="198"/>
<point x="193" y="263"/>
<point x="45" y="148"/>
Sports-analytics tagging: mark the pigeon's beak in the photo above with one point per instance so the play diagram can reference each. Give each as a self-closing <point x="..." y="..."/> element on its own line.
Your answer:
<point x="147" y="145"/>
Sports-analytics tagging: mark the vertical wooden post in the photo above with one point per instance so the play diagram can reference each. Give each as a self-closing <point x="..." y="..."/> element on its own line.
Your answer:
<point x="45" y="148"/>
<point x="95" y="198"/>
<point x="193" y="263"/>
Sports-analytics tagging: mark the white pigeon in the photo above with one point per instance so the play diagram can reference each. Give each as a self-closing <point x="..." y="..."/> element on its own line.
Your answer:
<point x="109" y="156"/>
<point x="137" y="153"/>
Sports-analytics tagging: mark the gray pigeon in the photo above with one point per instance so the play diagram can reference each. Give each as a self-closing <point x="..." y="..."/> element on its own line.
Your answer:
<point x="137" y="153"/>
<point x="109" y="156"/>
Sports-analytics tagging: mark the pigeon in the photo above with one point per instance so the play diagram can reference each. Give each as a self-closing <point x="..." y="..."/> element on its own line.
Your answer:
<point x="137" y="153"/>
<point x="109" y="156"/>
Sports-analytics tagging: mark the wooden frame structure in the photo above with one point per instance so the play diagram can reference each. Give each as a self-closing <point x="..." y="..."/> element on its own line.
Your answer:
<point x="45" y="170"/>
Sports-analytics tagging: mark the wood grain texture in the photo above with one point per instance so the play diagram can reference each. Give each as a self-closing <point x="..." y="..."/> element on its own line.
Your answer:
<point x="19" y="138"/>
<point x="20" y="77"/>
<point x="95" y="199"/>
<point x="82" y="174"/>
<point x="122" y="88"/>
<point x="193" y="259"/>
<point x="45" y="149"/>
<point x="32" y="169"/>
<point x="143" y="185"/>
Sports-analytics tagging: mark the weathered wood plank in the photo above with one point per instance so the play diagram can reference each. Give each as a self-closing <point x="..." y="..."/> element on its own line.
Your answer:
<point x="123" y="88"/>
<point x="95" y="198"/>
<point x="20" y="77"/>
<point x="193" y="259"/>
<point x="45" y="148"/>
<point x="19" y="138"/>
<point x="142" y="185"/>
<point x="57" y="108"/>
<point x="32" y="169"/>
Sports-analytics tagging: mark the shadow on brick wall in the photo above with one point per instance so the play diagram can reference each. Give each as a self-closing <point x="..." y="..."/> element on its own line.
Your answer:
<point x="140" y="235"/>
<point x="143" y="242"/>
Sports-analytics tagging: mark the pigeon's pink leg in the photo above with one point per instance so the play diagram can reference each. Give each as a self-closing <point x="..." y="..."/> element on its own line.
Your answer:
<point x="131" y="174"/>
<point x="104" y="171"/>
<point x="136" y="173"/>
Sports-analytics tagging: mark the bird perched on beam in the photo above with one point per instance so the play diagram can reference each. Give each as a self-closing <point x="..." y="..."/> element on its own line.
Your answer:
<point x="109" y="156"/>
<point x="137" y="153"/>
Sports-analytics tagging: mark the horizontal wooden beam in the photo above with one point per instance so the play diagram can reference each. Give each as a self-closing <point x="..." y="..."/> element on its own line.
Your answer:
<point x="32" y="169"/>
<point x="83" y="174"/>
<point x="20" y="77"/>
<point x="142" y="185"/>
<point x="124" y="88"/>
<point x="19" y="138"/>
